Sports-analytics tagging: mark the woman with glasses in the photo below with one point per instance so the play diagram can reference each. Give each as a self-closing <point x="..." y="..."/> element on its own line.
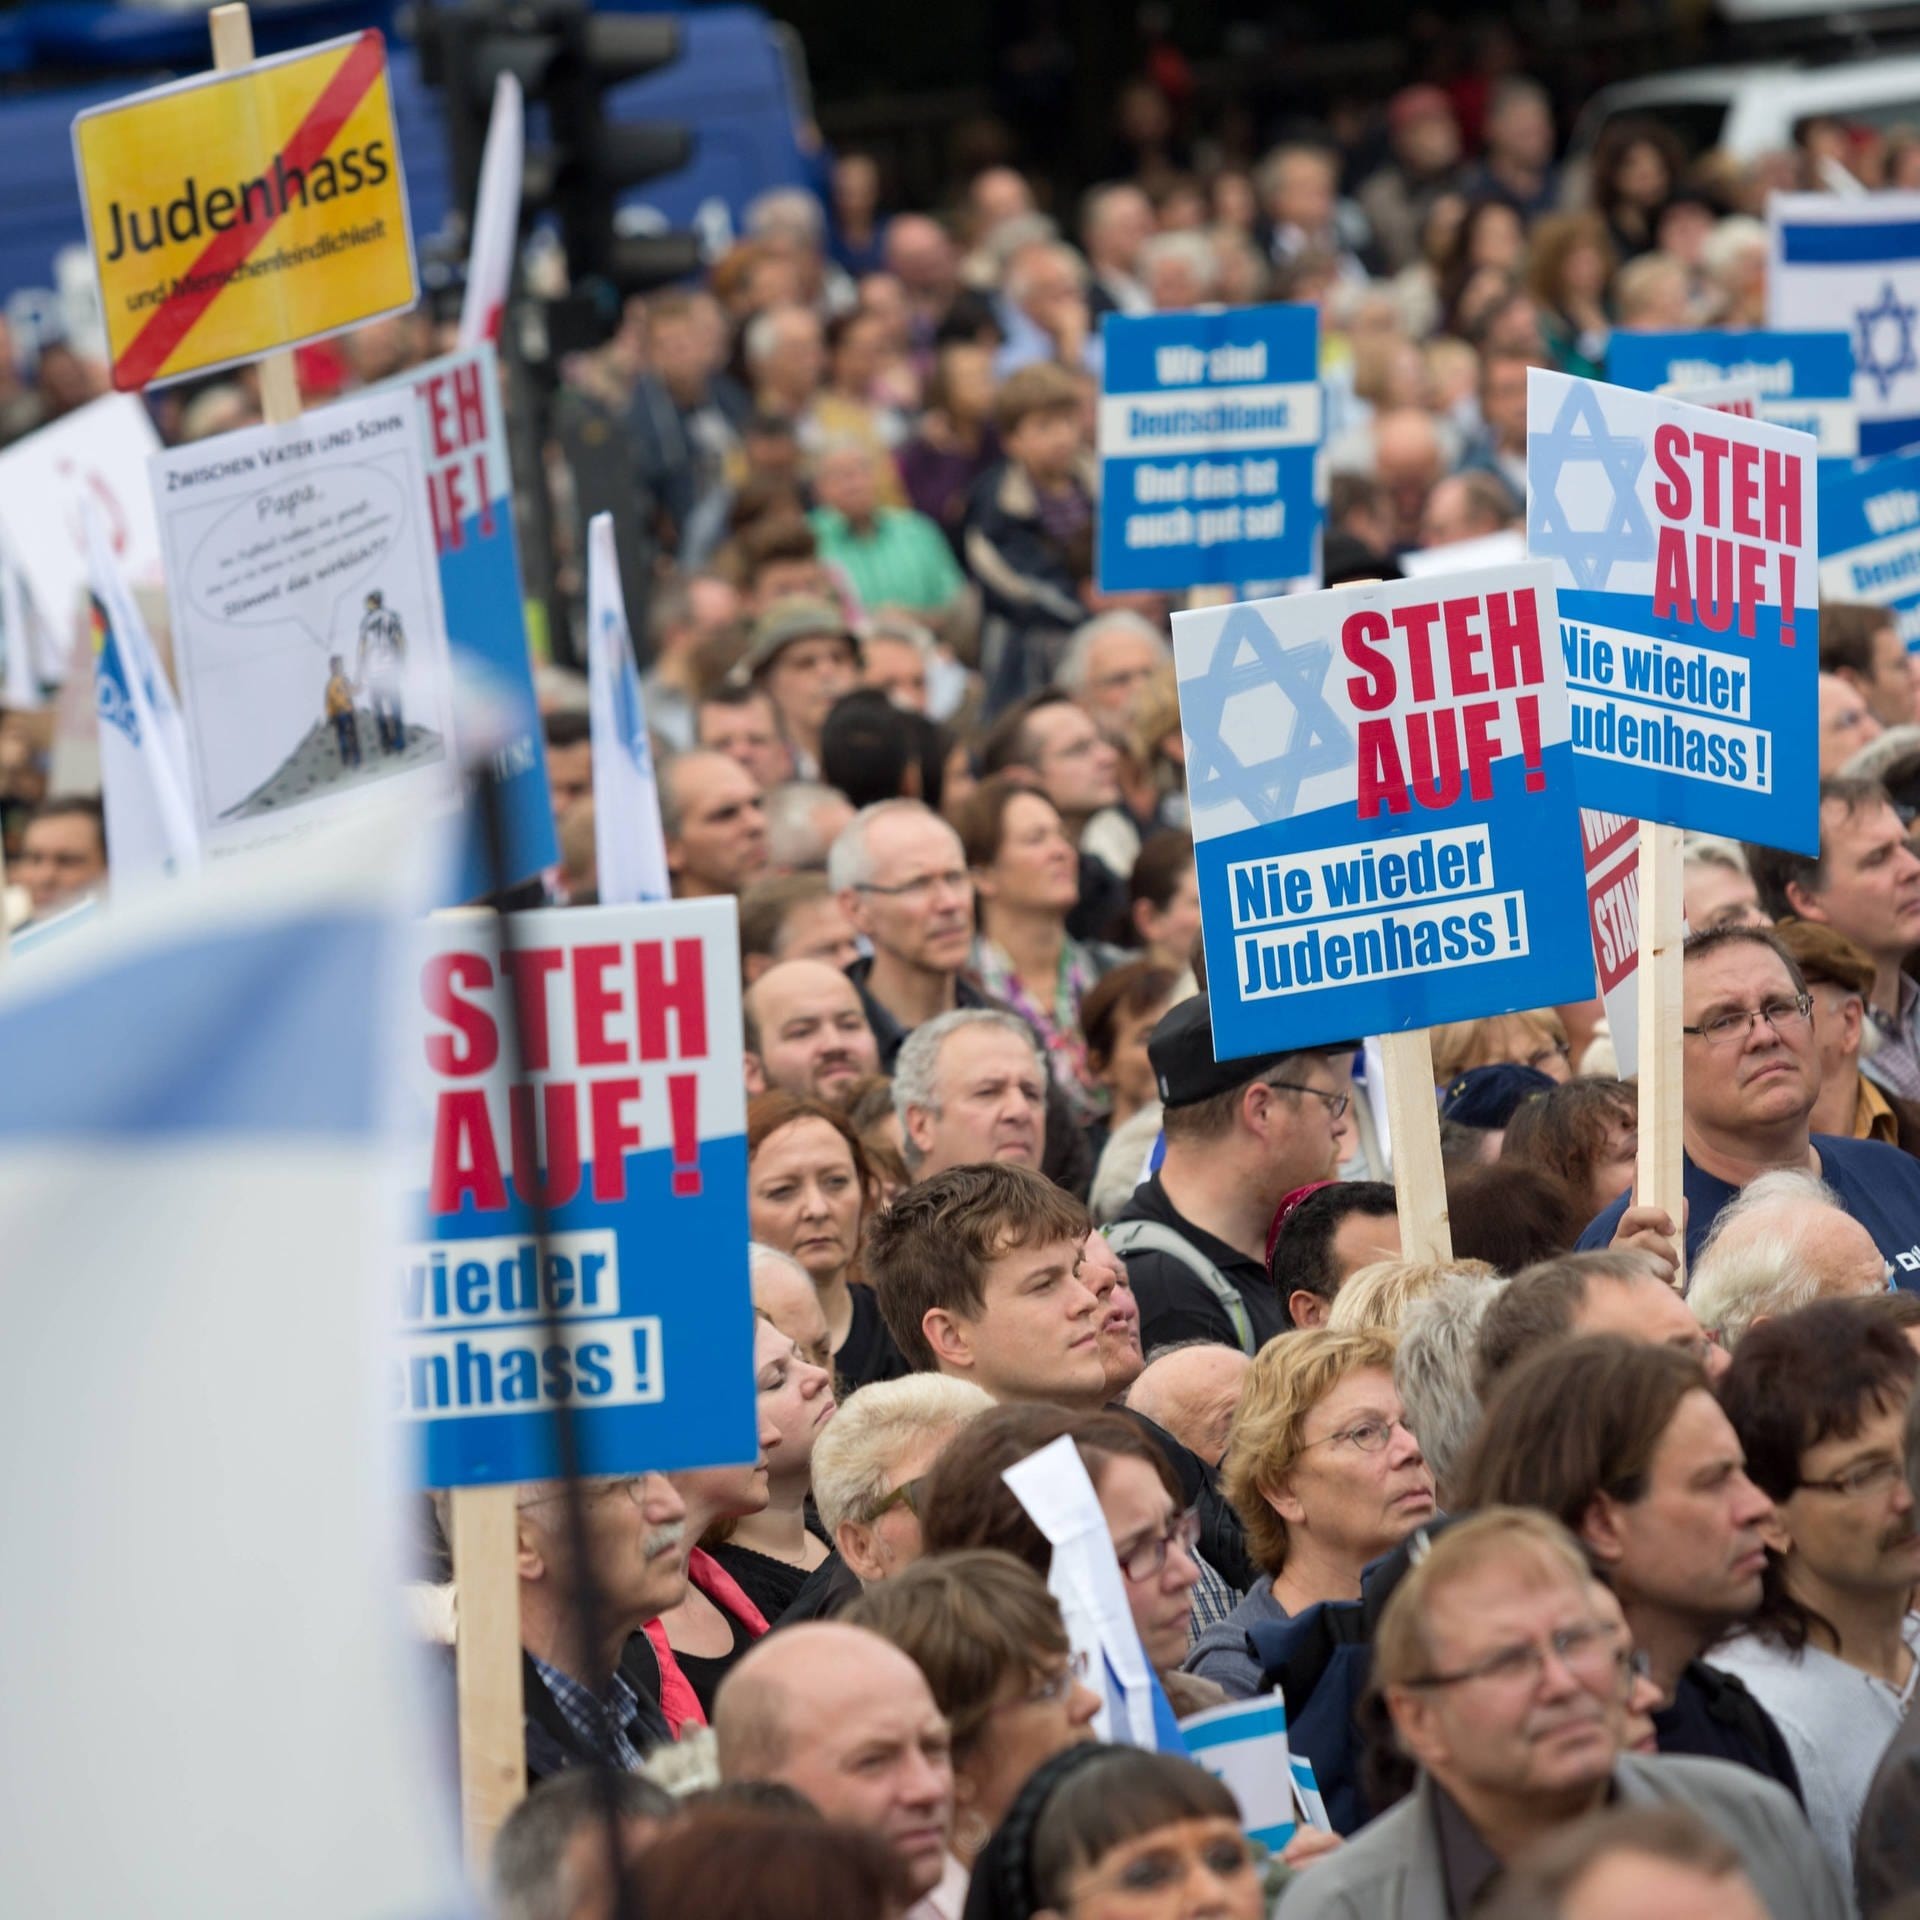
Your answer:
<point x="1536" y="1039"/>
<point x="1117" y="1833"/>
<point x="809" y="1189"/>
<point x="1026" y="878"/>
<point x="988" y="1636"/>
<point x="966" y="1503"/>
<point x="1325" y="1476"/>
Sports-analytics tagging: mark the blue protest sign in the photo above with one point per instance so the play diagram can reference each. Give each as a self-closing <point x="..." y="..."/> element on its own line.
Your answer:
<point x="1870" y="538"/>
<point x="1805" y="379"/>
<point x="1210" y="424"/>
<point x="470" y="492"/>
<point x="1683" y="547"/>
<point x="1854" y="261"/>
<point x="1384" y="824"/>
<point x="628" y="1117"/>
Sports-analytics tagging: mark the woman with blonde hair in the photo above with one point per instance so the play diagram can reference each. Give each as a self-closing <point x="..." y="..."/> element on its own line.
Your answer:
<point x="1536" y="1039"/>
<point x="1378" y="1297"/>
<point x="1325" y="1477"/>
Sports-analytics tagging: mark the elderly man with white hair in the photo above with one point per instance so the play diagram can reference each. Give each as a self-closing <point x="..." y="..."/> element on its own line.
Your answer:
<point x="970" y="1087"/>
<point x="1784" y="1243"/>
<point x="1044" y="307"/>
<point x="1434" y="1368"/>
<point x="1108" y="661"/>
<point x="1191" y="1389"/>
<point x="1180" y="270"/>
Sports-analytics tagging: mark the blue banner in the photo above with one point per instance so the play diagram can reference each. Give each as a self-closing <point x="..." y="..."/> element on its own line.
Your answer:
<point x="1210" y="430"/>
<point x="470" y="490"/>
<point x="1382" y="792"/>
<point x="628" y="1116"/>
<point x="1870" y="538"/>
<point x="1683" y="546"/>
<point x="1805" y="379"/>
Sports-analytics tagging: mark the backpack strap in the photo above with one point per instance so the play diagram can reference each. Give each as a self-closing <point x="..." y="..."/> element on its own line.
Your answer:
<point x="1150" y="1236"/>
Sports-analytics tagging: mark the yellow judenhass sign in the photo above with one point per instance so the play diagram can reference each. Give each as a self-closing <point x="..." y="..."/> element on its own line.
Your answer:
<point x="236" y="213"/>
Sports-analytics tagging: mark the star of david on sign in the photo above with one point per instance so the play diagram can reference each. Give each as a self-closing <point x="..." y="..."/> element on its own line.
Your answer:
<point x="1317" y="741"/>
<point x="1579" y="436"/>
<point x="1891" y="321"/>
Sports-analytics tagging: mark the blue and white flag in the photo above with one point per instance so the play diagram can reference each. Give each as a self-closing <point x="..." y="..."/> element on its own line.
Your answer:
<point x="1854" y="263"/>
<point x="151" y="830"/>
<point x="193" y="1201"/>
<point x="629" y="847"/>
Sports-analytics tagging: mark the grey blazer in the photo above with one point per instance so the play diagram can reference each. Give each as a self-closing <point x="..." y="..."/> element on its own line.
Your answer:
<point x="1392" y="1870"/>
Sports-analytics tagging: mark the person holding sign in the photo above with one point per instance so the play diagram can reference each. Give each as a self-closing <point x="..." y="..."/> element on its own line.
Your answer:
<point x="1241" y="1135"/>
<point x="1752" y="1078"/>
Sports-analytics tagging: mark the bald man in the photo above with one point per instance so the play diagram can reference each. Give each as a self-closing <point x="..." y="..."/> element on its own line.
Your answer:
<point x="1408" y="461"/>
<point x="807" y="1032"/>
<point x="845" y="1718"/>
<point x="1192" y="1392"/>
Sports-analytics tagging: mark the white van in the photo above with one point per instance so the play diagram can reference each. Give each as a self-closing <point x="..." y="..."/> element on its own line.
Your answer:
<point x="1753" y="110"/>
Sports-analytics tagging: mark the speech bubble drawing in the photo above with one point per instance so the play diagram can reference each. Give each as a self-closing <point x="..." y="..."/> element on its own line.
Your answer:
<point x="290" y="554"/>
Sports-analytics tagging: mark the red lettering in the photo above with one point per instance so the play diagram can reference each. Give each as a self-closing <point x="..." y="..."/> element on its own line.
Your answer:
<point x="1712" y="449"/>
<point x="684" y="996"/>
<point x="446" y="523"/>
<point x="561" y="1160"/>
<point x="1433" y="754"/>
<point x="1747" y="588"/>
<point x="465" y="1160"/>
<point x="1383" y="784"/>
<point x="1746" y="488"/>
<point x="1479" y="723"/>
<point x="613" y="1133"/>
<point x="1672" y="594"/>
<point x="1673" y="493"/>
<point x="476" y="1042"/>
<point x="1513" y="640"/>
<point x="1417" y="624"/>
<point x="468" y="398"/>
<point x="1360" y="637"/>
<point x="594" y="1005"/>
<point x="438" y="415"/>
<point x="1780" y="493"/>
<point x="1464" y="641"/>
<point x="1713" y="582"/>
<point x="528" y="968"/>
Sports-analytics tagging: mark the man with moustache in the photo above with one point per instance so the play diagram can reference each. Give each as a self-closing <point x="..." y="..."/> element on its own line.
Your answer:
<point x="806" y="1032"/>
<point x="580" y="1709"/>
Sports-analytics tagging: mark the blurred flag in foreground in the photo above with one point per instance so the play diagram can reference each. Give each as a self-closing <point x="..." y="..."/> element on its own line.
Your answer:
<point x="629" y="848"/>
<point x="143" y="741"/>
<point x="208" y="1704"/>
<point x="496" y="216"/>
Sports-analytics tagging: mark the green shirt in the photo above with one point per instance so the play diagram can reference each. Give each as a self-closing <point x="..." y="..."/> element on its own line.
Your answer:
<point x="904" y="561"/>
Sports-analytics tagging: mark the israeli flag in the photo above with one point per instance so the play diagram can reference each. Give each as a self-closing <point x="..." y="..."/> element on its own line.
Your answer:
<point x="1854" y="263"/>
<point x="201" y="1515"/>
<point x="630" y="849"/>
<point x="151" y="830"/>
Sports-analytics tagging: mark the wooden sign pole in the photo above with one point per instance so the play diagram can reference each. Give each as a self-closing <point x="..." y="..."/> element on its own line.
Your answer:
<point x="487" y="1670"/>
<point x="232" y="30"/>
<point x="1658" y="1181"/>
<point x="1413" y="1128"/>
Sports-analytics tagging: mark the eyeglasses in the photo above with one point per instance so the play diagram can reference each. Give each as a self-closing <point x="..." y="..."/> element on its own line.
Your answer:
<point x="1072" y="1672"/>
<point x="1369" y="1436"/>
<point x="633" y="1485"/>
<point x="921" y="888"/>
<point x="1737" y="1022"/>
<point x="1337" y="1103"/>
<point x="1866" y="1476"/>
<point x="1591" y="1652"/>
<point x="906" y="1494"/>
<point x="1145" y="1560"/>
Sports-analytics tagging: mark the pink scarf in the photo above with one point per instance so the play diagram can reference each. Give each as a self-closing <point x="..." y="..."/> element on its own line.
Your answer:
<point x="678" y="1701"/>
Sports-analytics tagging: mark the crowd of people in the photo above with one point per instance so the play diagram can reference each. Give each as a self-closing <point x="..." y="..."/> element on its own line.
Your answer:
<point x="1584" y="1560"/>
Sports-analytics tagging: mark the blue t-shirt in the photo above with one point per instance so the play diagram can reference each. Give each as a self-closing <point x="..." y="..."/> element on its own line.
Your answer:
<point x="1879" y="1185"/>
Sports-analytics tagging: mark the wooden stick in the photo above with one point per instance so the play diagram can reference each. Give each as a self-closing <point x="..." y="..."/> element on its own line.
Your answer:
<point x="1413" y="1126"/>
<point x="232" y="29"/>
<point x="493" y="1742"/>
<point x="1662" y="930"/>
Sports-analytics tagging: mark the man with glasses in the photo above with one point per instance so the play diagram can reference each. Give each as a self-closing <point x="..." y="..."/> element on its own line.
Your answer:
<point x="1240" y="1136"/>
<point x="1622" y="1443"/>
<point x="1509" y="1692"/>
<point x="1819" y="1400"/>
<point x="581" y="1709"/>
<point x="902" y="880"/>
<point x="1864" y="883"/>
<point x="1752" y="1075"/>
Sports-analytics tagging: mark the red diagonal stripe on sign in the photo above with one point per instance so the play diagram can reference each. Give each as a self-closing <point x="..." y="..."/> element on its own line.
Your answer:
<point x="170" y="323"/>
